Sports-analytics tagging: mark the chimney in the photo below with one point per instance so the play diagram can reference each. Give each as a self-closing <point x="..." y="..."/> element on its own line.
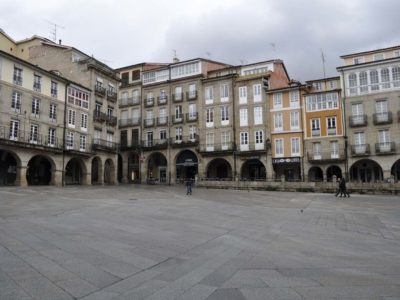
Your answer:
<point x="59" y="41"/>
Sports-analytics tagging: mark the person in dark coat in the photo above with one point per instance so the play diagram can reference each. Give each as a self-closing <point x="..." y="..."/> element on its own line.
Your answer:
<point x="189" y="186"/>
<point x="342" y="188"/>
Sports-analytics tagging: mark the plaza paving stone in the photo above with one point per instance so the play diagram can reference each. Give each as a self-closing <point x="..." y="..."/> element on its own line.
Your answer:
<point x="154" y="242"/>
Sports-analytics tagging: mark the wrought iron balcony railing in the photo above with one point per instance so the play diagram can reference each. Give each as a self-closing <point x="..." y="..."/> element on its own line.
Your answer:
<point x="382" y="118"/>
<point x="360" y="150"/>
<point x="385" y="148"/>
<point x="358" y="120"/>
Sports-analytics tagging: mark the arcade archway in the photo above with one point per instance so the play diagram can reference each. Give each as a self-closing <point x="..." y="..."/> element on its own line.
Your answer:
<point x="157" y="168"/>
<point x="96" y="170"/>
<point x="109" y="171"/>
<point x="133" y="167"/>
<point x="39" y="170"/>
<point x="366" y="170"/>
<point x="8" y="168"/>
<point x="333" y="171"/>
<point x="74" y="171"/>
<point x="396" y="170"/>
<point x="315" y="174"/>
<point x="186" y="165"/>
<point x="252" y="170"/>
<point x="219" y="169"/>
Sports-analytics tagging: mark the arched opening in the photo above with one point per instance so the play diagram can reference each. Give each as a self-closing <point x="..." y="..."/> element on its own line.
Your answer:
<point x="366" y="170"/>
<point x="8" y="168"/>
<point x="253" y="169"/>
<point x="96" y="170"/>
<point x="119" y="168"/>
<point x="157" y="168"/>
<point x="219" y="169"/>
<point x="315" y="174"/>
<point x="109" y="171"/>
<point x="39" y="171"/>
<point x="333" y="171"/>
<point x="186" y="166"/>
<point x="74" y="172"/>
<point x="396" y="170"/>
<point x="133" y="168"/>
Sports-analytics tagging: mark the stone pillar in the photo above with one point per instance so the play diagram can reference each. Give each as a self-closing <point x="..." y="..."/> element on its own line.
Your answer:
<point x="125" y="174"/>
<point x="21" y="177"/>
<point x="386" y="174"/>
<point x="269" y="168"/>
<point x="56" y="178"/>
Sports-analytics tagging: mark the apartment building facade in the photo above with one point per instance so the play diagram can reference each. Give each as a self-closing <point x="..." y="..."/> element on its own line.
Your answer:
<point x="324" y="143"/>
<point x="371" y="89"/>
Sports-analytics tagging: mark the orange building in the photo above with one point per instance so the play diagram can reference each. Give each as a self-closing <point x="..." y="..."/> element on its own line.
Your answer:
<point x="324" y="143"/>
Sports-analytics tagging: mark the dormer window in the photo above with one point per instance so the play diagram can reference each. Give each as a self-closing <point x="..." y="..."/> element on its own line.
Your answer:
<point x="358" y="60"/>
<point x="379" y="56"/>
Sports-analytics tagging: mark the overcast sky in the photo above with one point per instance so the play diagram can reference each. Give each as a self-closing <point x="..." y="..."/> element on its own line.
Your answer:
<point x="124" y="32"/>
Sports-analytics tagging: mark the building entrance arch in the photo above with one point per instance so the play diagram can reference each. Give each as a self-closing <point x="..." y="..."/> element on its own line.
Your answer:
<point x="396" y="170"/>
<point x="39" y="170"/>
<point x="315" y="174"/>
<point x="133" y="167"/>
<point x="109" y="172"/>
<point x="253" y="169"/>
<point x="366" y="170"/>
<point x="219" y="169"/>
<point x="157" y="168"/>
<point x="333" y="171"/>
<point x="8" y="168"/>
<point x="96" y="170"/>
<point x="74" y="171"/>
<point x="186" y="166"/>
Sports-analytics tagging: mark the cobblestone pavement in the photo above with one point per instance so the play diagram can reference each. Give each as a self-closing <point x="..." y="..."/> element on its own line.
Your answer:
<point x="154" y="242"/>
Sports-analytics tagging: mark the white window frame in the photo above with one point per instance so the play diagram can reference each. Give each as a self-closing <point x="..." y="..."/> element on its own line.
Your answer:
<point x="210" y="117"/>
<point x="224" y="115"/>
<point x="277" y="100"/>
<point x="225" y="140"/>
<point x="294" y="97"/>
<point x="242" y="94"/>
<point x="259" y="140"/>
<point x="279" y="147"/>
<point x="330" y="121"/>
<point x="209" y="94"/>
<point x="16" y="101"/>
<point x="51" y="137"/>
<point x="224" y="92"/>
<point x="295" y="146"/>
<point x="210" y="141"/>
<point x="294" y="120"/>
<point x="257" y="93"/>
<point x="14" y="130"/>
<point x="70" y="140"/>
<point x="278" y="121"/>
<point x="258" y="115"/>
<point x="71" y="118"/>
<point x="244" y="120"/>
<point x="84" y="122"/>
<point x="244" y="141"/>
<point x="334" y="148"/>
<point x="82" y="142"/>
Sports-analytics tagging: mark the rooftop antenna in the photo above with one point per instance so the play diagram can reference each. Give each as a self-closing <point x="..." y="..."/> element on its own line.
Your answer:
<point x="175" y="58"/>
<point x="323" y="61"/>
<point x="53" y="31"/>
<point x="208" y="54"/>
<point x="273" y="46"/>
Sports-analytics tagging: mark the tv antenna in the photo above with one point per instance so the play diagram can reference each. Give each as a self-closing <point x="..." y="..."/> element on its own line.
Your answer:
<point x="273" y="46"/>
<point x="323" y="61"/>
<point x="53" y="31"/>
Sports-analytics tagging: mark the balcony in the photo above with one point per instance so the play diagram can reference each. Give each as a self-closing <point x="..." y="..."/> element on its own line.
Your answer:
<point x="124" y="102"/>
<point x="134" y="145"/>
<point x="99" y="90"/>
<point x="99" y="144"/>
<point x="326" y="156"/>
<point x="162" y="121"/>
<point x="385" y="148"/>
<point x="360" y="150"/>
<point x="332" y="131"/>
<point x="129" y="122"/>
<point x="185" y="141"/>
<point x="25" y="139"/>
<point x="215" y="149"/>
<point x="382" y="118"/>
<point x="177" y="97"/>
<point x="192" y="117"/>
<point x="191" y="95"/>
<point x="111" y="120"/>
<point x="99" y="116"/>
<point x="177" y="119"/>
<point x="148" y="102"/>
<point x="161" y="100"/>
<point x="111" y="96"/>
<point x="148" y="145"/>
<point x="251" y="148"/>
<point x="358" y="120"/>
<point x="17" y="80"/>
<point x="148" y="122"/>
<point x="316" y="132"/>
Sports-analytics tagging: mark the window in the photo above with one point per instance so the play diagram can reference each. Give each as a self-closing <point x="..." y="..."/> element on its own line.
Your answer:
<point x="294" y="99"/>
<point x="225" y="140"/>
<point x="363" y="82"/>
<point x="317" y="86"/>
<point x="82" y="142"/>
<point x="71" y="118"/>
<point x="78" y="97"/>
<point x="224" y="115"/>
<point x="259" y="139"/>
<point x="149" y="98"/>
<point x="257" y="92"/>
<point x="258" y="117"/>
<point x="17" y="78"/>
<point x="210" y="117"/>
<point x="385" y="78"/>
<point x="178" y="112"/>
<point x="334" y="146"/>
<point x="96" y="136"/>
<point x="243" y="95"/>
<point x="316" y="147"/>
<point x="244" y="141"/>
<point x="178" y="93"/>
<point x="358" y="60"/>
<point x="209" y="94"/>
<point x="110" y="112"/>
<point x="278" y="121"/>
<point x="381" y="106"/>
<point x="149" y="118"/>
<point x="295" y="146"/>
<point x="135" y="75"/>
<point x="35" y="106"/>
<point x="279" y="148"/>
<point x="162" y="116"/>
<point x="37" y="83"/>
<point x="135" y="96"/>
<point x="192" y="133"/>
<point x="53" y="112"/>
<point x="396" y="76"/>
<point x="16" y="102"/>
<point x="163" y="135"/>
<point x="277" y="98"/>
<point x="322" y="101"/>
<point x="84" y="122"/>
<point x="243" y="117"/>
<point x="14" y="130"/>
<point x="374" y="78"/>
<point x="379" y="56"/>
<point x="125" y="78"/>
<point x="315" y="127"/>
<point x="51" y="138"/>
<point x="331" y="124"/>
<point x="149" y="138"/>
<point x="359" y="143"/>
<point x="224" y="92"/>
<point x="332" y="84"/>
<point x="294" y="120"/>
<point x="210" y="141"/>
<point x="352" y="84"/>
<point x="33" y="136"/>
<point x="110" y="139"/>
<point x="192" y="112"/>
<point x="192" y="91"/>
<point x="185" y="70"/>
<point x="70" y="140"/>
<point x="396" y="53"/>
<point x="178" y="134"/>
<point x="384" y="140"/>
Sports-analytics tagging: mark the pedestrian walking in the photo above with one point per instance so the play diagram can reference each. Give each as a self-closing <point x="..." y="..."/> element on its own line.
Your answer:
<point x="342" y="188"/>
<point x="189" y="186"/>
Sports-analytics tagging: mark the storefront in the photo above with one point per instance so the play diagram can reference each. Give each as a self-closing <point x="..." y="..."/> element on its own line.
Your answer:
<point x="290" y="167"/>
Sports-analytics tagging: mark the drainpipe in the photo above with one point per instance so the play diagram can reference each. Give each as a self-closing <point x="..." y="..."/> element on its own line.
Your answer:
<point x="344" y="128"/>
<point x="64" y="136"/>
<point x="234" y="127"/>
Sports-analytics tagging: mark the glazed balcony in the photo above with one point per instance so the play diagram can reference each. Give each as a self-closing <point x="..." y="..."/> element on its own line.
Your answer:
<point x="214" y="149"/>
<point x="128" y="122"/>
<point x="148" y="102"/>
<point x="162" y="121"/>
<point x="178" y="97"/>
<point x="360" y="150"/>
<point x="184" y="141"/>
<point x="104" y="145"/>
<point x="148" y="145"/>
<point x="111" y="120"/>
<point x="25" y="139"/>
<point x="382" y="118"/>
<point x="326" y="156"/>
<point x="191" y="95"/>
<point x="359" y="120"/>
<point x="192" y="117"/>
<point x="124" y="102"/>
<point x="99" y="90"/>
<point x="149" y="122"/>
<point x="177" y="119"/>
<point x="161" y="100"/>
<point x="385" y="148"/>
<point x="111" y="96"/>
<point x="99" y="116"/>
